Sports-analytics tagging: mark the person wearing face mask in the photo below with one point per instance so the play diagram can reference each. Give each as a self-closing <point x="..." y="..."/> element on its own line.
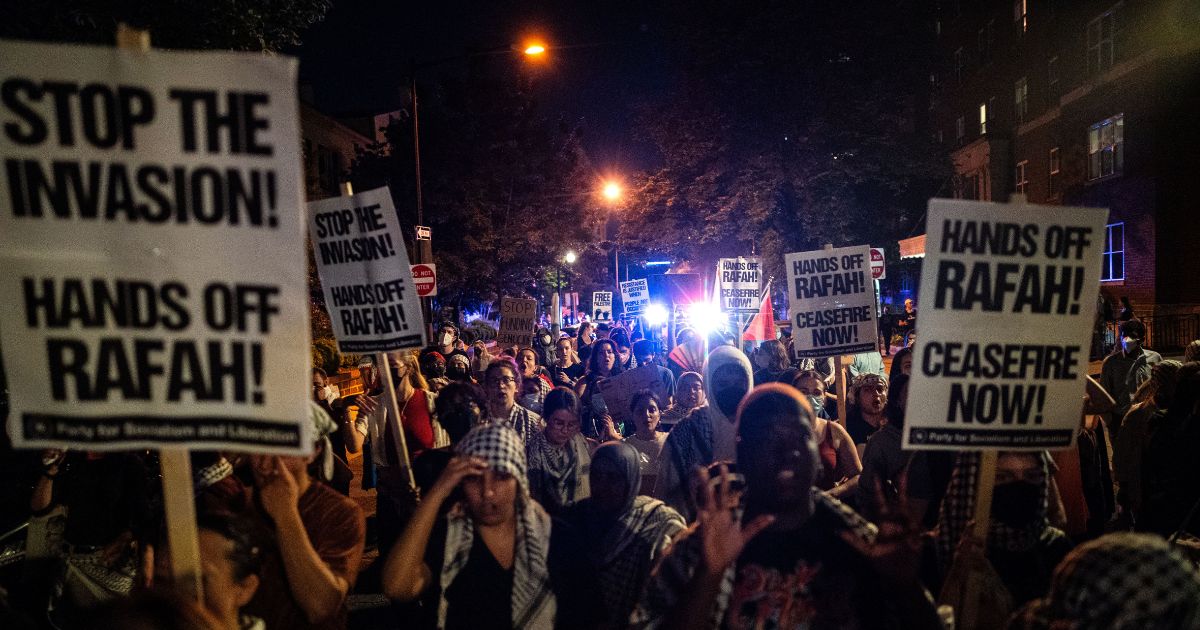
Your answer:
<point x="459" y="407"/>
<point x="447" y="339"/>
<point x="1125" y="370"/>
<point x="458" y="368"/>
<point x="865" y="414"/>
<point x="348" y="437"/>
<point x="840" y="464"/>
<point x="603" y="548"/>
<point x="433" y="368"/>
<point x="543" y="344"/>
<point x="794" y="557"/>
<point x="708" y="434"/>
<point x="1022" y="546"/>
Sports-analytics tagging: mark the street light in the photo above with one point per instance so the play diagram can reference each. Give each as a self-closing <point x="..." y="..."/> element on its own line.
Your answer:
<point x="612" y="193"/>
<point x="535" y="49"/>
<point x="569" y="258"/>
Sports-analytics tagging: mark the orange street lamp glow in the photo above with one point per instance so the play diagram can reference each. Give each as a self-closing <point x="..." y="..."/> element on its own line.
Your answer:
<point x="612" y="191"/>
<point x="535" y="49"/>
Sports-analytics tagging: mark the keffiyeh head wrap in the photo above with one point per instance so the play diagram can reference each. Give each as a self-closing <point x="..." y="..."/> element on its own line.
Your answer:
<point x="958" y="508"/>
<point x="558" y="475"/>
<point x="1121" y="581"/>
<point x="533" y="604"/>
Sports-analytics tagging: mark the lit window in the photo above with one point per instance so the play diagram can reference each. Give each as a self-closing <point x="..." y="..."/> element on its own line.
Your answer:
<point x="983" y="118"/>
<point x="1105" y="147"/>
<point x="1021" y="179"/>
<point x="1021" y="89"/>
<point x="1055" y="171"/>
<point x="1102" y="42"/>
<point x="1021" y="14"/>
<point x="1113" y="261"/>
<point x="1052" y="92"/>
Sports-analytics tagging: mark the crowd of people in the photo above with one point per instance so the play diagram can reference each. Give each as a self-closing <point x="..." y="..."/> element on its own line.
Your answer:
<point x="511" y="493"/>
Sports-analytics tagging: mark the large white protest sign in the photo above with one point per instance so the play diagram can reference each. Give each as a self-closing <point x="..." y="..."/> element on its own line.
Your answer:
<point x="740" y="283"/>
<point x="152" y="263"/>
<point x="517" y="317"/>
<point x="602" y="306"/>
<point x="365" y="274"/>
<point x="635" y="295"/>
<point x="1008" y="294"/>
<point x="832" y="301"/>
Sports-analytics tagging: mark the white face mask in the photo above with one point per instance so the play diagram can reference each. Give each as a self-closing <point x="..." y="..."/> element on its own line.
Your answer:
<point x="545" y="340"/>
<point x="326" y="392"/>
<point x="447" y="339"/>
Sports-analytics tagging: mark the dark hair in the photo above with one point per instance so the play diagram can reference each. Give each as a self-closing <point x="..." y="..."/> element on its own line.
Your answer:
<point x="319" y="371"/>
<point x="643" y="347"/>
<point x="560" y="398"/>
<point x="621" y="336"/>
<point x="504" y="362"/>
<point x="776" y="355"/>
<point x="1132" y="328"/>
<point x="536" y="357"/>
<point x="896" y="361"/>
<point x="892" y="409"/>
<point x="594" y="357"/>
<point x="645" y="394"/>
<point x="452" y="408"/>
<point x="803" y="374"/>
<point x="246" y="555"/>
<point x="764" y="406"/>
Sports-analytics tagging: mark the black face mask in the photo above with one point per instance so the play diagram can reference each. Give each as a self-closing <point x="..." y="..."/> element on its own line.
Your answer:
<point x="1017" y="503"/>
<point x="728" y="399"/>
<point x="456" y="373"/>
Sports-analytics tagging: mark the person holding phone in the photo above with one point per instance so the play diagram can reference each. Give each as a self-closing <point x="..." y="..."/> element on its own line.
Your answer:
<point x="597" y="421"/>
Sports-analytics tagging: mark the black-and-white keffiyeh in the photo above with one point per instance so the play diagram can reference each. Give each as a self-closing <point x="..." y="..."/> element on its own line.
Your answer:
<point x="1121" y="581"/>
<point x="670" y="581"/>
<point x="558" y="475"/>
<point x="958" y="508"/>
<point x="525" y="422"/>
<point x="211" y="474"/>
<point x="533" y="604"/>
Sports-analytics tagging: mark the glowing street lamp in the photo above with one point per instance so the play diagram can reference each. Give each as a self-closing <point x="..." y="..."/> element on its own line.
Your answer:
<point x="534" y="50"/>
<point x="570" y="258"/>
<point x="611" y="191"/>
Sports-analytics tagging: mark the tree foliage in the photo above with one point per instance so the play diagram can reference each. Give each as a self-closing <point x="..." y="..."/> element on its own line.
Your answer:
<point x="792" y="125"/>
<point x="187" y="24"/>
<point x="505" y="188"/>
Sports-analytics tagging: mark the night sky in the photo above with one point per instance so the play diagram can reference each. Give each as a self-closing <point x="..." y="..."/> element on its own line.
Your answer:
<point x="614" y="58"/>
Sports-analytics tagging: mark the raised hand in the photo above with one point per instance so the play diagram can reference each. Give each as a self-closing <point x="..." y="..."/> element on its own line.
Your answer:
<point x="278" y="490"/>
<point x="459" y="468"/>
<point x="896" y="552"/>
<point x="723" y="536"/>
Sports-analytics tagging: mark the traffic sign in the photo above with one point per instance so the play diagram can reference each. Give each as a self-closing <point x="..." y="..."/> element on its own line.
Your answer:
<point x="878" y="271"/>
<point x="425" y="279"/>
<point x="424" y="233"/>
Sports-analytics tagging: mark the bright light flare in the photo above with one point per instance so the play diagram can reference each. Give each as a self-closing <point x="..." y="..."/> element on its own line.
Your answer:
<point x="570" y="258"/>
<point x="611" y="191"/>
<point x="535" y="49"/>
<point x="706" y="317"/>
<point x="656" y="314"/>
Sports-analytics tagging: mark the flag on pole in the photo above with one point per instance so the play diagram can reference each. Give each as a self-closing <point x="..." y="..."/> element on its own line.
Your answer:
<point x="762" y="326"/>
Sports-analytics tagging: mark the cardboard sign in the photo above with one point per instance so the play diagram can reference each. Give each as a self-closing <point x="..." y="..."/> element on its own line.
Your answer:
<point x="1008" y="296"/>
<point x="635" y="295"/>
<point x="517" y="317"/>
<point x="602" y="306"/>
<point x="878" y="268"/>
<point x="365" y="273"/>
<point x="832" y="301"/>
<point x="153" y="290"/>
<point x="739" y="284"/>
<point x="425" y="279"/>
<point x="619" y="390"/>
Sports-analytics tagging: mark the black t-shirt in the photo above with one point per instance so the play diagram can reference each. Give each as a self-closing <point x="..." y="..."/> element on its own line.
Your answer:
<point x="808" y="578"/>
<point x="480" y="597"/>
<point x="104" y="497"/>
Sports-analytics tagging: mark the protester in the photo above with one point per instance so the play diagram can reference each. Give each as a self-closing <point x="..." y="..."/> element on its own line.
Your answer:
<point x="567" y="367"/>
<point x="1126" y="313"/>
<point x="1169" y="481"/>
<point x="689" y="396"/>
<point x="216" y="487"/>
<point x="887" y="470"/>
<point x="1125" y="370"/>
<point x="480" y="359"/>
<point x="773" y="364"/>
<point x="1121" y="581"/>
<point x="433" y="368"/>
<point x="603" y="548"/>
<point x="543" y="345"/>
<point x="559" y="457"/>
<point x="1022" y="546"/>
<point x="645" y="352"/>
<point x="906" y="323"/>
<point x="597" y="421"/>
<point x="447" y="339"/>
<point x="458" y="368"/>
<point x="584" y="337"/>
<point x="459" y="408"/>
<point x="870" y="362"/>
<point x="796" y="557"/>
<point x="348" y="437"/>
<point x="502" y="381"/>
<point x="318" y="537"/>
<point x="901" y="363"/>
<point x="840" y="464"/>
<point x="865" y="412"/>
<point x="707" y="435"/>
<point x="230" y="565"/>
<point x="646" y="407"/>
<point x="1129" y="448"/>
<point x="535" y="380"/>
<point x="485" y="564"/>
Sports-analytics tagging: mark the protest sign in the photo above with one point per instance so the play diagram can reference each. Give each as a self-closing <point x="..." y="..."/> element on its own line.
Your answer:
<point x="832" y="301"/>
<point x="1008" y="297"/>
<point x="517" y="316"/>
<point x="619" y="390"/>
<point x="365" y="273"/>
<point x="739" y="284"/>
<point x="635" y="295"/>
<point x="602" y="306"/>
<point x="152" y="263"/>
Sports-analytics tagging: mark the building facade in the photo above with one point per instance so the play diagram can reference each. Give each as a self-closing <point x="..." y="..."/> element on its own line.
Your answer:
<point x="329" y="150"/>
<point x="1085" y="103"/>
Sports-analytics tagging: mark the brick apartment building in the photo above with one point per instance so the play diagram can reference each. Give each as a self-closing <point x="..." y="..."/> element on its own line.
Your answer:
<point x="329" y="149"/>
<point x="1087" y="103"/>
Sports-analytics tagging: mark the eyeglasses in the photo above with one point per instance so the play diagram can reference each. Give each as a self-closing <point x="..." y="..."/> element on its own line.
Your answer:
<point x="502" y="380"/>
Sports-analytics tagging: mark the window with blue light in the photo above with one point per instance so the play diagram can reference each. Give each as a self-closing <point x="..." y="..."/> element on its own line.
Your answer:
<point x="1113" y="265"/>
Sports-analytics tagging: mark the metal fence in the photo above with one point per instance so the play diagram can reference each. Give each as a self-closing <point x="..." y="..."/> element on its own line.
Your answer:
<point x="1171" y="333"/>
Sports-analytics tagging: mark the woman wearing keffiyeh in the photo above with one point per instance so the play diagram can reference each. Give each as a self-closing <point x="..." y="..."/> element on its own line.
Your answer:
<point x="559" y="457"/>
<point x="485" y="564"/>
